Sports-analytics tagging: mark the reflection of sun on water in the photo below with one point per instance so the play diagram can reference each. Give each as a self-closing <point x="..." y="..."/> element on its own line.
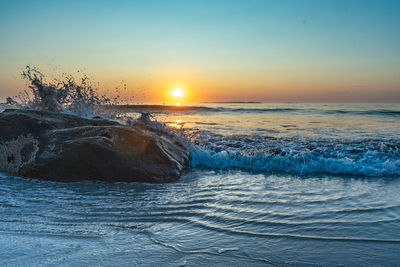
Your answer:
<point x="176" y="124"/>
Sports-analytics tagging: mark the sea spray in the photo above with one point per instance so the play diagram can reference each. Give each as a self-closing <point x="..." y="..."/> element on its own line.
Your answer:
<point x="69" y="94"/>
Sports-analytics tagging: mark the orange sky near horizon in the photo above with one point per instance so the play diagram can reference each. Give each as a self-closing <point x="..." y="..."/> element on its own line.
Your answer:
<point x="276" y="87"/>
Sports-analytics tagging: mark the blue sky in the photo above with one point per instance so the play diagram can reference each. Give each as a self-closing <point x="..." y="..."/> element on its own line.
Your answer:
<point x="219" y="50"/>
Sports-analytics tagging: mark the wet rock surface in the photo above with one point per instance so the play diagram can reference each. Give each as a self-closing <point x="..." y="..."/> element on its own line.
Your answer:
<point x="61" y="147"/>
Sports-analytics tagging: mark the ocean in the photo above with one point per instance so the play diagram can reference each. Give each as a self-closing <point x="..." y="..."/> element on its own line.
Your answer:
<point x="289" y="184"/>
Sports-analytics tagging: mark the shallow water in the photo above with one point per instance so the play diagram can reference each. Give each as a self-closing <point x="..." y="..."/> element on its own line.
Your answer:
<point x="300" y="185"/>
<point x="205" y="218"/>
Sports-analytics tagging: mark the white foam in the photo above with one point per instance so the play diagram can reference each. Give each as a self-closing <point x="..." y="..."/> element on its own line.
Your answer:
<point x="340" y="162"/>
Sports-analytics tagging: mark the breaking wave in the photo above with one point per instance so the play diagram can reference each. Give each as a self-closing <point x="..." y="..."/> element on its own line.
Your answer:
<point x="299" y="157"/>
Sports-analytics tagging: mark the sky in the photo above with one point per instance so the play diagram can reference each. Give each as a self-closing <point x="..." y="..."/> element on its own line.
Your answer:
<point x="225" y="50"/>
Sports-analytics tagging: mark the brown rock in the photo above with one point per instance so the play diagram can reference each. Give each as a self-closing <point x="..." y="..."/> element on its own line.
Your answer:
<point x="70" y="148"/>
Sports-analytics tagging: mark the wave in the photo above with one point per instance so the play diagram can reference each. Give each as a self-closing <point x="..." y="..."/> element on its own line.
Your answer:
<point x="376" y="112"/>
<point x="380" y="112"/>
<point x="157" y="108"/>
<point x="298" y="157"/>
<point x="154" y="108"/>
<point x="215" y="227"/>
<point x="165" y="108"/>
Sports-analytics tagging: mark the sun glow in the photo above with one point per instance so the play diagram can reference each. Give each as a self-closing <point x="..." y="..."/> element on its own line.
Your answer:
<point x="177" y="92"/>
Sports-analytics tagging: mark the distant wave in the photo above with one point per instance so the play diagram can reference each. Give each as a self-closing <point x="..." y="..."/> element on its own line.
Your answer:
<point x="161" y="108"/>
<point x="251" y="110"/>
<point x="381" y="112"/>
<point x="173" y="108"/>
<point x="157" y="108"/>
<point x="299" y="157"/>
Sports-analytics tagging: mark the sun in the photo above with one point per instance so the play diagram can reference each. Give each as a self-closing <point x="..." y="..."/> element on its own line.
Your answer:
<point x="177" y="92"/>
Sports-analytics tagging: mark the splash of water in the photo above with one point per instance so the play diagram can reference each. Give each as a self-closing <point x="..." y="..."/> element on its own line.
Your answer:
<point x="68" y="94"/>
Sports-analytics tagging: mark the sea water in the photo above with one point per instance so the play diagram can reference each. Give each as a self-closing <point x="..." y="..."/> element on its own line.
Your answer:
<point x="269" y="184"/>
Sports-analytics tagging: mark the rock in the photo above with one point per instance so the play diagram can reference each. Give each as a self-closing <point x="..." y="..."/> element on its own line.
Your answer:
<point x="61" y="147"/>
